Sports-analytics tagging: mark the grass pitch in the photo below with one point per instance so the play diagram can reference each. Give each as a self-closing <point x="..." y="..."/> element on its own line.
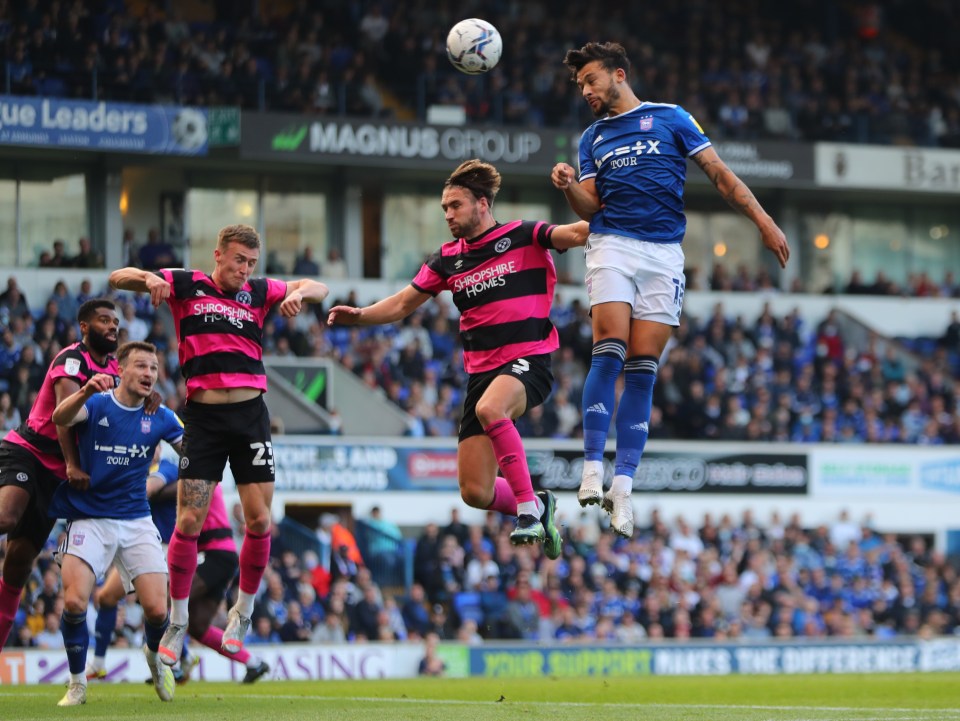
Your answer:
<point x="875" y="697"/>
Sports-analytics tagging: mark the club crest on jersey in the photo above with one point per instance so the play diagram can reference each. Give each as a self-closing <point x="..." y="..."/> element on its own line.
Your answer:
<point x="144" y="425"/>
<point x="78" y="539"/>
<point x="244" y="297"/>
<point x="646" y="123"/>
<point x="502" y="245"/>
<point x="72" y="366"/>
<point x="22" y="477"/>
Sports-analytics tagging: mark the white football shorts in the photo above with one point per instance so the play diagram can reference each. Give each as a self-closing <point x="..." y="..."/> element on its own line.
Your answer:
<point x="132" y="544"/>
<point x="647" y="276"/>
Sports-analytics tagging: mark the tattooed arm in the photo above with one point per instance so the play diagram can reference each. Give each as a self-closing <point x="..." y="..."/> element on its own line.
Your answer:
<point x="739" y="197"/>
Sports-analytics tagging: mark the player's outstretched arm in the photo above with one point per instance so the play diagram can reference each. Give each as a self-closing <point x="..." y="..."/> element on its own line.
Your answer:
<point x="70" y="410"/>
<point x="141" y="281"/>
<point x="570" y="236"/>
<point x="582" y="197"/>
<point x="300" y="292"/>
<point x="389" y="310"/>
<point x="740" y="198"/>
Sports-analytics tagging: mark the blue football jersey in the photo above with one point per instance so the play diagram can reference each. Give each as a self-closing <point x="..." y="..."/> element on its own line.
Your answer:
<point x="639" y="161"/>
<point x="116" y="445"/>
<point x="165" y="512"/>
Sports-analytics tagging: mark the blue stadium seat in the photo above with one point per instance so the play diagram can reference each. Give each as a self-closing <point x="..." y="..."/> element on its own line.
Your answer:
<point x="467" y="606"/>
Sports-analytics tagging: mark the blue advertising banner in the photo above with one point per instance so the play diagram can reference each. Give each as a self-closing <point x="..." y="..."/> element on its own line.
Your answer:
<point x="696" y="659"/>
<point x="90" y="125"/>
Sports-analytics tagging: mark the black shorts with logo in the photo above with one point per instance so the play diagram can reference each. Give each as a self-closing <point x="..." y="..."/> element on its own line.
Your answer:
<point x="217" y="570"/>
<point x="533" y="371"/>
<point x="214" y="433"/>
<point x="19" y="467"/>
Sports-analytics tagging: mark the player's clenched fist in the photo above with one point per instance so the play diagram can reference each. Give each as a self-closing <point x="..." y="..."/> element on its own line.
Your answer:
<point x="562" y="176"/>
<point x="100" y="383"/>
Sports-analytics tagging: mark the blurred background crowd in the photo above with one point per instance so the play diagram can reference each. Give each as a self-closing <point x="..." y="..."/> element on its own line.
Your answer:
<point x="366" y="579"/>
<point x="772" y="378"/>
<point x="851" y="71"/>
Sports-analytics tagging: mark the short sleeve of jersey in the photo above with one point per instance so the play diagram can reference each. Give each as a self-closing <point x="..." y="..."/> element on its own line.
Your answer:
<point x="690" y="136"/>
<point x="71" y="364"/>
<point x="167" y="470"/>
<point x="173" y="426"/>
<point x="430" y="278"/>
<point x="543" y="235"/>
<point x="276" y="292"/>
<point x="587" y="167"/>
<point x="178" y="279"/>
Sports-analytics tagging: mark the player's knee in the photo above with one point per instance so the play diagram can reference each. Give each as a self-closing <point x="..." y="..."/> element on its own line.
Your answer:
<point x="189" y="522"/>
<point x="9" y="518"/>
<point x="259" y="524"/>
<point x="489" y="412"/>
<point x="74" y="603"/>
<point x="155" y="612"/>
<point x="475" y="495"/>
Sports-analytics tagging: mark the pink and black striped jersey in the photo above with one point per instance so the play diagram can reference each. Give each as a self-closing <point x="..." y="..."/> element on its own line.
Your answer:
<point x="220" y="334"/>
<point x="38" y="434"/>
<point x="502" y="282"/>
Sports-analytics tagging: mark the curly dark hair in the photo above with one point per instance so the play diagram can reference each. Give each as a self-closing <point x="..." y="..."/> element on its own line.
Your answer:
<point x="611" y="56"/>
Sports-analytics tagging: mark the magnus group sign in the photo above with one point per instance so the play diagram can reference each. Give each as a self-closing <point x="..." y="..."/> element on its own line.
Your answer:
<point x="378" y="143"/>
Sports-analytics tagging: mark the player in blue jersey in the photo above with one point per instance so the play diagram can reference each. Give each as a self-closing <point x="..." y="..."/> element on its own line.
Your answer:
<point x="108" y="515"/>
<point x="630" y="188"/>
<point x="162" y="496"/>
<point x="214" y="574"/>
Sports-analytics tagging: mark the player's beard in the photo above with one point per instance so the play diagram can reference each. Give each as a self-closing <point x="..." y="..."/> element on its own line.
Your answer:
<point x="468" y="229"/>
<point x="99" y="343"/>
<point x="603" y="109"/>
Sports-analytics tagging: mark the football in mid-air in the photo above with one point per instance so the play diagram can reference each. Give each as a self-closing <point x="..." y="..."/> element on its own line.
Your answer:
<point x="474" y="46"/>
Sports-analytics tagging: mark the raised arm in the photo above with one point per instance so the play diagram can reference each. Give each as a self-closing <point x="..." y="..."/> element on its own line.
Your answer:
<point x="739" y="197"/>
<point x="582" y="197"/>
<point x="141" y="281"/>
<point x="62" y="389"/>
<point x="389" y="310"/>
<point x="300" y="292"/>
<point x="570" y="236"/>
<point x="70" y="410"/>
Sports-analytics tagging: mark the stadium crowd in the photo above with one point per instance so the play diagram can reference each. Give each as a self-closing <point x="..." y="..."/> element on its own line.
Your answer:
<point x="725" y="579"/>
<point x="853" y="71"/>
<point x="776" y="378"/>
<point x="784" y="378"/>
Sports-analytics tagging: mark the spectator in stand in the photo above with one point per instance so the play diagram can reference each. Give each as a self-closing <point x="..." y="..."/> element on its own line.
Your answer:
<point x="305" y="264"/>
<point x="12" y="302"/>
<point x="87" y="257"/>
<point x="59" y="258"/>
<point x="334" y="267"/>
<point x="431" y="664"/>
<point x="136" y="328"/>
<point x="383" y="544"/>
<point x="156" y="253"/>
<point x="85" y="293"/>
<point x="67" y="305"/>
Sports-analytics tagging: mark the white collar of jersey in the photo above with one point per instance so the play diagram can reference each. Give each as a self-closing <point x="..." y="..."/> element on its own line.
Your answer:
<point x="113" y="397"/>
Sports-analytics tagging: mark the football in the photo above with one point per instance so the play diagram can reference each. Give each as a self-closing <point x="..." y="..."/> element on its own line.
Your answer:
<point x="474" y="46"/>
